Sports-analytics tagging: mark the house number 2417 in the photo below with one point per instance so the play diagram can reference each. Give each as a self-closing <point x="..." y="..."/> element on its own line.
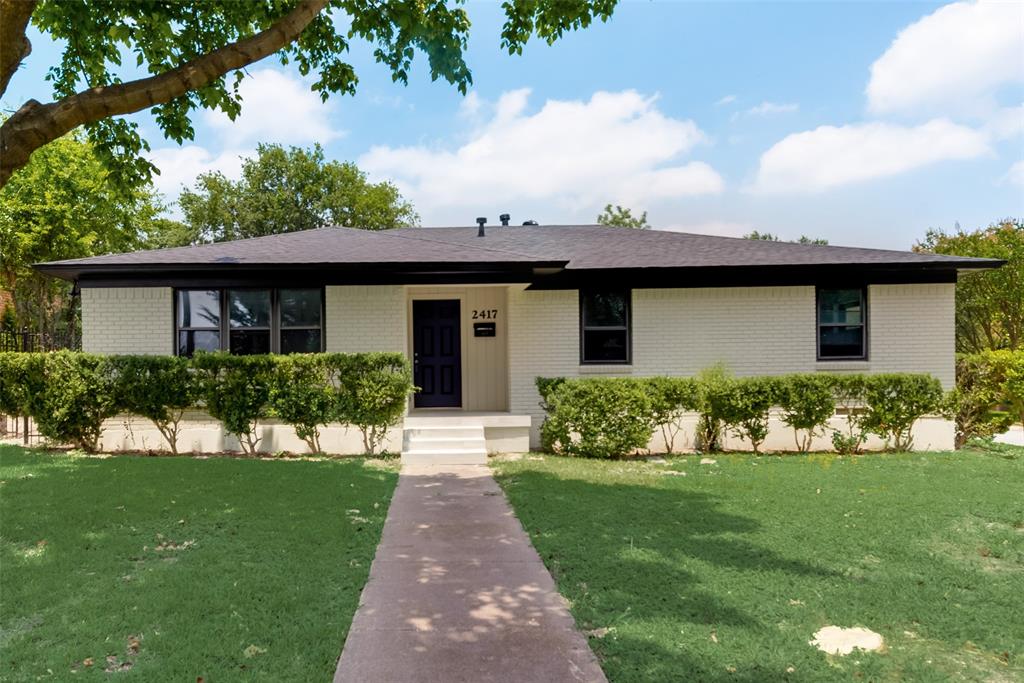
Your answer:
<point x="485" y="314"/>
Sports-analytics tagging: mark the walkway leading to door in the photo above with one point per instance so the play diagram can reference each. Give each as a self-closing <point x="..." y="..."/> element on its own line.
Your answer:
<point x="457" y="592"/>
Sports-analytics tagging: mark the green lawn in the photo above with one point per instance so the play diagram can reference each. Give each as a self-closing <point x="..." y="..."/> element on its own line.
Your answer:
<point x="180" y="568"/>
<point x="726" y="573"/>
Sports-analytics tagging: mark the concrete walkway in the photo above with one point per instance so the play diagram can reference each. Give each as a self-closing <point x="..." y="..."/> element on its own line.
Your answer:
<point x="457" y="592"/>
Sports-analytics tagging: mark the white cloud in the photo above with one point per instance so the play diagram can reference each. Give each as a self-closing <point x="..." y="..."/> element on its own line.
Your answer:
<point x="728" y="99"/>
<point x="830" y="156"/>
<point x="1007" y="122"/>
<point x="1015" y="176"/>
<point x="470" y="105"/>
<point x="766" y="108"/>
<point x="615" y="147"/>
<point x="276" y="107"/>
<point x="180" y="165"/>
<point x="954" y="59"/>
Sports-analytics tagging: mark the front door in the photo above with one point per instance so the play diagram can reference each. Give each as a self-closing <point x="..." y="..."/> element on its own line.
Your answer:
<point x="437" y="353"/>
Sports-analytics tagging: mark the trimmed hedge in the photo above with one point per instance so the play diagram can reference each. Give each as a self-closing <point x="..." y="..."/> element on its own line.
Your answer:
<point x="70" y="394"/>
<point x="612" y="417"/>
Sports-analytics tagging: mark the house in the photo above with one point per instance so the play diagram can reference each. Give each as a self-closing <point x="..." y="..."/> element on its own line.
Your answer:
<point x="484" y="311"/>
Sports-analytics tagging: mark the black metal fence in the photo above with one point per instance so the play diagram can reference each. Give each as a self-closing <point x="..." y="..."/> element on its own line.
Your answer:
<point x="14" y="340"/>
<point x="15" y="427"/>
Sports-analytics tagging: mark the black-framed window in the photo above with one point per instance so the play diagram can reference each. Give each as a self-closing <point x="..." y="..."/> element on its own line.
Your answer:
<point x="247" y="320"/>
<point x="842" y="323"/>
<point x="605" y="327"/>
<point x="301" y="320"/>
<point x="198" y="321"/>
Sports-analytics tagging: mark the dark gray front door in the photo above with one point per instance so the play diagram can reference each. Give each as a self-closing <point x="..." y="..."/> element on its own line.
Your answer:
<point x="437" y="353"/>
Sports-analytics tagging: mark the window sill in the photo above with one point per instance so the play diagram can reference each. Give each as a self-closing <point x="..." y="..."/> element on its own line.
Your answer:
<point x="615" y="369"/>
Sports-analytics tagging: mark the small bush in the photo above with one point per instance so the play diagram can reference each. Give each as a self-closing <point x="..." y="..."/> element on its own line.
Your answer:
<point x="670" y="397"/>
<point x="709" y="424"/>
<point x="303" y="396"/>
<point x="236" y="391"/>
<point x="159" y="388"/>
<point x="807" y="403"/>
<point x="598" y="417"/>
<point x="77" y="396"/>
<point x="373" y="392"/>
<point x="22" y="380"/>
<point x="894" y="402"/>
<point x="974" y="404"/>
<point x="743" y="406"/>
<point x="848" y="392"/>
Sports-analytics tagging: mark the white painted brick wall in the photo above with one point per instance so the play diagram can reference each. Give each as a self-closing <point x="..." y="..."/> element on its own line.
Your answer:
<point x="366" y="318"/>
<point x="136" y="320"/>
<point x="911" y="328"/>
<point x="753" y="330"/>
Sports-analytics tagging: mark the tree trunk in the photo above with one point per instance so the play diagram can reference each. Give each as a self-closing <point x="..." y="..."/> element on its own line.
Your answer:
<point x="35" y="124"/>
<point x="14" y="46"/>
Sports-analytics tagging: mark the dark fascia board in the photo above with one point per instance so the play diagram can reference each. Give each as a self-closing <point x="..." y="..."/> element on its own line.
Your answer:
<point x="752" y="276"/>
<point x="324" y="273"/>
<point x="539" y="275"/>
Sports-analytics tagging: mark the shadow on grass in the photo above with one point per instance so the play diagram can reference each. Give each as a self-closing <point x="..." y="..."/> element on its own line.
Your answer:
<point x="625" y="553"/>
<point x="201" y="558"/>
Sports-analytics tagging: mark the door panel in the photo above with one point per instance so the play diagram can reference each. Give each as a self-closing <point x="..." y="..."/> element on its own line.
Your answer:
<point x="437" y="353"/>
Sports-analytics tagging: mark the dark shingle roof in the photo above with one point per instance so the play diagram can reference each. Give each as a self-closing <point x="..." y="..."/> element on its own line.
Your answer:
<point x="576" y="247"/>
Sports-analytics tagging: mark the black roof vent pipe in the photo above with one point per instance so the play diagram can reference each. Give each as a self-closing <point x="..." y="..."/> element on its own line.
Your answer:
<point x="504" y="218"/>
<point x="530" y="223"/>
<point x="481" y="222"/>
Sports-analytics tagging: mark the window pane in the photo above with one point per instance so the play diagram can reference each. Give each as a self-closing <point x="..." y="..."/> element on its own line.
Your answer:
<point x="198" y="308"/>
<point x="300" y="341"/>
<point x="605" y="346"/>
<point x="190" y="341"/>
<point x="840" y="306"/>
<point x="604" y="309"/>
<point x="244" y="342"/>
<point x="249" y="308"/>
<point x="300" y="308"/>
<point x="841" y="341"/>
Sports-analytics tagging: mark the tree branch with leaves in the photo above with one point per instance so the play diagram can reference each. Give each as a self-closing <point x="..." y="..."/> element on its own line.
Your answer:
<point x="189" y="49"/>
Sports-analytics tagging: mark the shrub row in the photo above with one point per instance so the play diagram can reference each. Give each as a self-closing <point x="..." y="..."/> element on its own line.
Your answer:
<point x="70" y="394"/>
<point x="608" y="417"/>
<point x="989" y="394"/>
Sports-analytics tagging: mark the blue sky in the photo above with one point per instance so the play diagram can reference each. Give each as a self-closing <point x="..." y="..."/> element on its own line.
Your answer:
<point x="864" y="123"/>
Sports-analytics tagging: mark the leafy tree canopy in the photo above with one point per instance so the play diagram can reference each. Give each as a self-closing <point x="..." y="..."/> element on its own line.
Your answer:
<point x="195" y="54"/>
<point x="769" y="237"/>
<point x="64" y="205"/>
<point x="621" y="217"/>
<point x="989" y="303"/>
<point x="284" y="190"/>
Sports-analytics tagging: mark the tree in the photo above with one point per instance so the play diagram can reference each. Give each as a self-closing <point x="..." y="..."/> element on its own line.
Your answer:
<point x="64" y="205"/>
<point x="621" y="217"/>
<point x="769" y="237"/>
<point x="189" y="49"/>
<point x="284" y="190"/>
<point x="989" y="303"/>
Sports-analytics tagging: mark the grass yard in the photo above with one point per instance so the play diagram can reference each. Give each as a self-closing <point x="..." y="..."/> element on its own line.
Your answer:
<point x="726" y="573"/>
<point x="180" y="569"/>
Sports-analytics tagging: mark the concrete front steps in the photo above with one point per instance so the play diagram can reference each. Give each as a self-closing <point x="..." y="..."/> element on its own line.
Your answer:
<point x="444" y="445"/>
<point x="462" y="438"/>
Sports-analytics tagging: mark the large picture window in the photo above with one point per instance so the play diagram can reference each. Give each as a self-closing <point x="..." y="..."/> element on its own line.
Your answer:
<point x="247" y="321"/>
<point x="605" y="326"/>
<point x="842" y="323"/>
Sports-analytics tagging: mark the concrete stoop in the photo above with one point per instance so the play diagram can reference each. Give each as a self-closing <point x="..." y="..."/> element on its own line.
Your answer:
<point x="444" y="442"/>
